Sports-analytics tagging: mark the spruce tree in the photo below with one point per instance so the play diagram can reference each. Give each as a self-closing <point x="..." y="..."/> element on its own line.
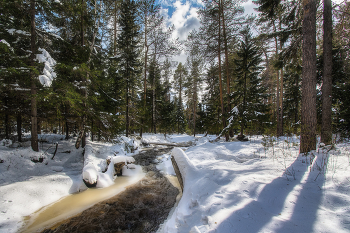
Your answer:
<point x="249" y="97"/>
<point x="128" y="57"/>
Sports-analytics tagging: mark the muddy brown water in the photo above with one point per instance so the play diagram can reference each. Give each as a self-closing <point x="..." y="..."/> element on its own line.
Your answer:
<point x="141" y="207"/>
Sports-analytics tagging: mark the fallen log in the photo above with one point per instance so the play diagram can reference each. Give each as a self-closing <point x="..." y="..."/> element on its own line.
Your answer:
<point x="183" y="167"/>
<point x="180" y="144"/>
<point x="162" y="143"/>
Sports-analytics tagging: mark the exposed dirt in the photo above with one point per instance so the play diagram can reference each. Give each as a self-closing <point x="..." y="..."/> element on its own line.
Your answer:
<point x="140" y="208"/>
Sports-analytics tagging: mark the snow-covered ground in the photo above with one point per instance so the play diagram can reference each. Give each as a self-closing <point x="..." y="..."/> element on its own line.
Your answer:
<point x="262" y="185"/>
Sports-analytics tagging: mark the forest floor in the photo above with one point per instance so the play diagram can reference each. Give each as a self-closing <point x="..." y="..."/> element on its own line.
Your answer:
<point x="262" y="185"/>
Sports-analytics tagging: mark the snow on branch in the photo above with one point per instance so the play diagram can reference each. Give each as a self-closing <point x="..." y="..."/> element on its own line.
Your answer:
<point x="48" y="73"/>
<point x="6" y="43"/>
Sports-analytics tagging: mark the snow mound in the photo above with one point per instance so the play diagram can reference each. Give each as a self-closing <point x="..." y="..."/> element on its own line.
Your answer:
<point x="125" y="159"/>
<point x="5" y="142"/>
<point x="90" y="173"/>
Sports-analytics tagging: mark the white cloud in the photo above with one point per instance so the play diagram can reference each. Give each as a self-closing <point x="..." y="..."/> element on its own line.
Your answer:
<point x="184" y="18"/>
<point x="249" y="7"/>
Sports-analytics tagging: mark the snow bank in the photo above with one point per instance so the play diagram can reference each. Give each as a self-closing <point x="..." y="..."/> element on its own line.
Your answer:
<point x="125" y="159"/>
<point x="234" y="187"/>
<point x="26" y="185"/>
<point x="185" y="165"/>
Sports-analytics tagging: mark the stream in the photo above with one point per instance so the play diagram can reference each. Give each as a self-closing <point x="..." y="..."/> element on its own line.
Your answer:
<point x="138" y="203"/>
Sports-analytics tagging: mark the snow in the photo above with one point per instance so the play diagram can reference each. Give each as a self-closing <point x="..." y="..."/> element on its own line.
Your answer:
<point x="27" y="186"/>
<point x="263" y="185"/>
<point x="6" y="43"/>
<point x="232" y="187"/>
<point x="48" y="72"/>
<point x="13" y="31"/>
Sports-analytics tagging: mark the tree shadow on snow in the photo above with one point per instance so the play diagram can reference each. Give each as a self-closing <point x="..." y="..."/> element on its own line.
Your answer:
<point x="271" y="201"/>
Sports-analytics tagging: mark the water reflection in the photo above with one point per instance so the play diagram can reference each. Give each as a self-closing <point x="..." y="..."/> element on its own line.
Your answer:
<point x="76" y="203"/>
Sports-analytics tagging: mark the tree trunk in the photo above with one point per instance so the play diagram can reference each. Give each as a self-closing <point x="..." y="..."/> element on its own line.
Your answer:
<point x="115" y="29"/>
<point x="127" y="111"/>
<point x="308" y="100"/>
<point x="82" y="23"/>
<point x="99" y="132"/>
<point x="227" y="70"/>
<point x="80" y="139"/>
<point x="154" y="107"/>
<point x="180" y="100"/>
<point x="280" y="104"/>
<point x="19" y="127"/>
<point x="83" y="139"/>
<point x="7" y="128"/>
<point x="34" y="139"/>
<point x="280" y="113"/>
<point x="39" y="125"/>
<point x="67" y="130"/>
<point x="194" y="107"/>
<point x="244" y="105"/>
<point x="92" y="130"/>
<point x="220" y="79"/>
<point x="145" y="77"/>
<point x="326" y="131"/>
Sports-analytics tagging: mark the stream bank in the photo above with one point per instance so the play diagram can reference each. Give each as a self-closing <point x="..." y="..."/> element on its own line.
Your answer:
<point x="142" y="207"/>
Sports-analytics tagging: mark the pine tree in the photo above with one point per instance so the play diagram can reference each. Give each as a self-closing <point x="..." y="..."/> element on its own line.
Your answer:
<point x="308" y="100"/>
<point x="179" y="79"/>
<point x="194" y="78"/>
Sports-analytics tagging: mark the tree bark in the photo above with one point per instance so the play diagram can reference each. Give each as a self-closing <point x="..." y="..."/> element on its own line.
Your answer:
<point x="194" y="107"/>
<point x="220" y="78"/>
<point x="180" y="101"/>
<point x="19" y="127"/>
<point x="244" y="104"/>
<point x="34" y="139"/>
<point x="7" y="128"/>
<point x="226" y="68"/>
<point x="145" y="76"/>
<point x="92" y="130"/>
<point x="82" y="23"/>
<point x="115" y="29"/>
<point x="154" y="107"/>
<point x="308" y="100"/>
<point x="127" y="111"/>
<point x="326" y="131"/>
<point x="280" y="103"/>
<point x="67" y="130"/>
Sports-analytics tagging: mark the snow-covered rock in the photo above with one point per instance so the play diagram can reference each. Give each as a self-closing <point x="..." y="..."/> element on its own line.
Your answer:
<point x="90" y="174"/>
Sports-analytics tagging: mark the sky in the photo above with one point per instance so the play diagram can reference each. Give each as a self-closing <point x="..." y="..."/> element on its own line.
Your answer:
<point x="183" y="15"/>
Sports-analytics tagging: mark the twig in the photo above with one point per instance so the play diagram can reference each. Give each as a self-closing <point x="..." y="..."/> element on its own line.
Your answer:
<point x="55" y="151"/>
